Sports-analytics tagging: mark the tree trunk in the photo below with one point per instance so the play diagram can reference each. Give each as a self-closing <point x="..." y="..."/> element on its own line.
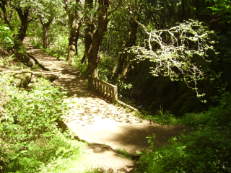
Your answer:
<point x="87" y="41"/>
<point x="23" y="16"/>
<point x="77" y="39"/>
<point x="19" y="50"/>
<point x="88" y="31"/>
<point x="186" y="6"/>
<point x="45" y="29"/>
<point x="3" y="4"/>
<point x="92" y="54"/>
<point x="71" y="47"/>
<point x="20" y="53"/>
<point x="73" y="41"/>
<point x="124" y="60"/>
<point x="74" y="25"/>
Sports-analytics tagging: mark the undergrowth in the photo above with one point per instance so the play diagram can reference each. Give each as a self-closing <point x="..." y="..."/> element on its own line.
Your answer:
<point x="59" y="47"/>
<point x="106" y="66"/>
<point x="206" y="148"/>
<point x="29" y="136"/>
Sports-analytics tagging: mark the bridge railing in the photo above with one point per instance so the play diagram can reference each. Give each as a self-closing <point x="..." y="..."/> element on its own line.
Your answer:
<point x="103" y="88"/>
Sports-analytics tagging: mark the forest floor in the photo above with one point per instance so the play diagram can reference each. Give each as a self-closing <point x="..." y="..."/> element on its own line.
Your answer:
<point x="111" y="132"/>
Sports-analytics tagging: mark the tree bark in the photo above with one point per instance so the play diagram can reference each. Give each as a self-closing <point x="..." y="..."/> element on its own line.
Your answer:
<point x="3" y="4"/>
<point x="71" y="46"/>
<point x="97" y="37"/>
<point x="20" y="51"/>
<point x="24" y="19"/>
<point x="18" y="48"/>
<point x="124" y="60"/>
<point x="87" y="40"/>
<point x="73" y="40"/>
<point x="74" y="25"/>
<point x="45" y="31"/>
<point x="45" y="36"/>
<point x="88" y="31"/>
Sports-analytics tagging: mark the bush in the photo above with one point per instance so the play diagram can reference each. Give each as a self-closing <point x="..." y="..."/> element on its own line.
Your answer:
<point x="59" y="46"/>
<point x="29" y="136"/>
<point x="106" y="66"/>
<point x="205" y="149"/>
<point x="6" y="37"/>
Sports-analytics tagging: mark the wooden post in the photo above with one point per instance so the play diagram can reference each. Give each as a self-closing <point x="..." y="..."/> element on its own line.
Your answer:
<point x="115" y="92"/>
<point x="90" y="83"/>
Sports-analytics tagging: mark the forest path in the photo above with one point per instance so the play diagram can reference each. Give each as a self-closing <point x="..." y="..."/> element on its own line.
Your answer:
<point x="108" y="129"/>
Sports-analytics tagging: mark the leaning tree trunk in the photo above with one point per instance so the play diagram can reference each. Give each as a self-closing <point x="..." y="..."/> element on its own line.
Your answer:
<point x="92" y="54"/>
<point x="124" y="59"/>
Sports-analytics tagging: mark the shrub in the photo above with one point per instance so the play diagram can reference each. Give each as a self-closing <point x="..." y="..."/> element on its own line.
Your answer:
<point x="205" y="149"/>
<point x="6" y="37"/>
<point x="58" y="48"/>
<point x="29" y="136"/>
<point x="106" y="66"/>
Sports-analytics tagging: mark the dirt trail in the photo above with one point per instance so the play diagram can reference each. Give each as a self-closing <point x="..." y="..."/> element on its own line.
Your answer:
<point x="107" y="128"/>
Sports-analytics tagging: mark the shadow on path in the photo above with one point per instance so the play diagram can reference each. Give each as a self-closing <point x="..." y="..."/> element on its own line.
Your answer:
<point x="106" y="128"/>
<point x="67" y="77"/>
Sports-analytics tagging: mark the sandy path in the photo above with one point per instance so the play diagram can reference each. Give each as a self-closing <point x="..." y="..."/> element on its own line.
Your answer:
<point x="106" y="127"/>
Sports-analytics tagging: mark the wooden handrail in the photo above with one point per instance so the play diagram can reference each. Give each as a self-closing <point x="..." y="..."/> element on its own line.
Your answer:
<point x="109" y="91"/>
<point x="105" y="89"/>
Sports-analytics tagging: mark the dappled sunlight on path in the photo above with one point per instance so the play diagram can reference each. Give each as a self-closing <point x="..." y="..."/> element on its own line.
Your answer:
<point x="67" y="77"/>
<point x="107" y="128"/>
